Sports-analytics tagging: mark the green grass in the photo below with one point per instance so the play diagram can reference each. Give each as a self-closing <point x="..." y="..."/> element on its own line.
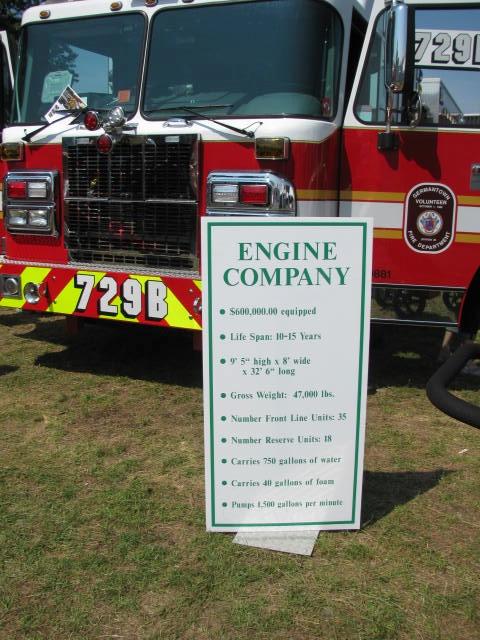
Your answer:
<point x="102" y="530"/>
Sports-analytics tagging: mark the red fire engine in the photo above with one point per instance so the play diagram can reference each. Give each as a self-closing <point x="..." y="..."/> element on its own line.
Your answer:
<point x="132" y="119"/>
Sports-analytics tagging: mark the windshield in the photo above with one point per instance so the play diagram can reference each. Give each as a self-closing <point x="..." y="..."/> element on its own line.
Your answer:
<point x="98" y="57"/>
<point x="272" y="57"/>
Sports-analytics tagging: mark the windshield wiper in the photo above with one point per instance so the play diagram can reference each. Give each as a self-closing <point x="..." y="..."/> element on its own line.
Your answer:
<point x="74" y="112"/>
<point x="202" y="106"/>
<point x="199" y="114"/>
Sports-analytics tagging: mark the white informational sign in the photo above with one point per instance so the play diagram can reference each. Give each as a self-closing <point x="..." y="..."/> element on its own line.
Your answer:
<point x="286" y="305"/>
<point x="447" y="48"/>
<point x="69" y="100"/>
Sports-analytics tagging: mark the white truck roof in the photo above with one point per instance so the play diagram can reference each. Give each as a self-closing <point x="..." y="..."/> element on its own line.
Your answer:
<point x="61" y="9"/>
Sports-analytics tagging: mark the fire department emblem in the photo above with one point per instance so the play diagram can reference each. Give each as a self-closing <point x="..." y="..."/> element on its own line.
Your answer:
<point x="429" y="223"/>
<point x="429" y="218"/>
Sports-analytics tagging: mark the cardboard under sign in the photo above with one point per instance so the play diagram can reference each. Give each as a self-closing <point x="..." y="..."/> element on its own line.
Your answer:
<point x="286" y="312"/>
<point x="296" y="542"/>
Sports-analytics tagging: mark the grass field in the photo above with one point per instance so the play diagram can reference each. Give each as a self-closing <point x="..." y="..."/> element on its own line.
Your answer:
<point x="102" y="529"/>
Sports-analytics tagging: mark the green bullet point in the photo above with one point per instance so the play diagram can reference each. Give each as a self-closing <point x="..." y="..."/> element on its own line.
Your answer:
<point x="224" y="461"/>
<point x="224" y="504"/>
<point x="222" y="361"/>
<point x="224" y="482"/>
<point x="224" y="439"/>
<point x="223" y="395"/>
<point x="222" y="337"/>
<point x="222" y="312"/>
<point x="223" y="418"/>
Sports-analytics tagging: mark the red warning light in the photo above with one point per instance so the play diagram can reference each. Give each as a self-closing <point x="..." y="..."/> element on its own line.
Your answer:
<point x="105" y="143"/>
<point x="91" y="120"/>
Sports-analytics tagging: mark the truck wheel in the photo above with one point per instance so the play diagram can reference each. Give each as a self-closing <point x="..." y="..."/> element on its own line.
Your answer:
<point x="408" y="304"/>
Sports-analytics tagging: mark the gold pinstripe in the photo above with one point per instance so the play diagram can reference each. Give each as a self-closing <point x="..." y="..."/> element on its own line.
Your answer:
<point x="473" y="201"/>
<point x="373" y="196"/>
<point x="317" y="194"/>
<point x="389" y="234"/>
<point x="468" y="238"/>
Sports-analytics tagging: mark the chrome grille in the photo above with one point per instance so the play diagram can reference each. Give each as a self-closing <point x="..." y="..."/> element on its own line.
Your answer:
<point x="134" y="206"/>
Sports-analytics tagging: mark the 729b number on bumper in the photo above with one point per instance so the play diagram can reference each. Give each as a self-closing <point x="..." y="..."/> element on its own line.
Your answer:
<point x="128" y="298"/>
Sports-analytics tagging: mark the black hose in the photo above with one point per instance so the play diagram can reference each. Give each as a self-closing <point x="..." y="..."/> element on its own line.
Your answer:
<point x="437" y="386"/>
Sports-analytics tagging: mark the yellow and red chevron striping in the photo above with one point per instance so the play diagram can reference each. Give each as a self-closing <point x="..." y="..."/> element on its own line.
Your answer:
<point x="61" y="294"/>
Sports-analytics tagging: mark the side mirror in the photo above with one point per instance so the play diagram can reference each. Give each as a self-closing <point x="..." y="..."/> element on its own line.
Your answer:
<point x="396" y="46"/>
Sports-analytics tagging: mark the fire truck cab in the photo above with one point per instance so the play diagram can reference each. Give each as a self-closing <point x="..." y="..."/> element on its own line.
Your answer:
<point x="133" y="119"/>
<point x="410" y="160"/>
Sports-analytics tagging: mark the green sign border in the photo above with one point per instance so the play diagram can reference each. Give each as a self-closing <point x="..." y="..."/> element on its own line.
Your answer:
<point x="210" y="225"/>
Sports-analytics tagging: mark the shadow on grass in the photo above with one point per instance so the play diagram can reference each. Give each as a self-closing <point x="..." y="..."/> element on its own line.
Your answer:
<point x="6" y="368"/>
<point x="46" y="327"/>
<point x="383" y="491"/>
<point x="140" y="353"/>
<point x="407" y="356"/>
<point x="14" y="318"/>
<point x="399" y="355"/>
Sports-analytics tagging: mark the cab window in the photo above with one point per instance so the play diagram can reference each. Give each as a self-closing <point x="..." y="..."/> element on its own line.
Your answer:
<point x="446" y="51"/>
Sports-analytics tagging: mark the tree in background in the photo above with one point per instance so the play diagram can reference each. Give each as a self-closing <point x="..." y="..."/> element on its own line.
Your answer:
<point x="11" y="13"/>
<point x="61" y="55"/>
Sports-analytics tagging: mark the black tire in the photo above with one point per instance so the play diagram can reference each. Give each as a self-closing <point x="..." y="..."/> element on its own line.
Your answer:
<point x="408" y="304"/>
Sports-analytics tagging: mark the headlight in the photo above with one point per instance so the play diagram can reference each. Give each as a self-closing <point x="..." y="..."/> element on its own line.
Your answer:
<point x="39" y="218"/>
<point x="29" y="220"/>
<point x="17" y="217"/>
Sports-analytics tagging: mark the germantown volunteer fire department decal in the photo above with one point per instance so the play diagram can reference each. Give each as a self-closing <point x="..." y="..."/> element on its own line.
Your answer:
<point x="429" y="218"/>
